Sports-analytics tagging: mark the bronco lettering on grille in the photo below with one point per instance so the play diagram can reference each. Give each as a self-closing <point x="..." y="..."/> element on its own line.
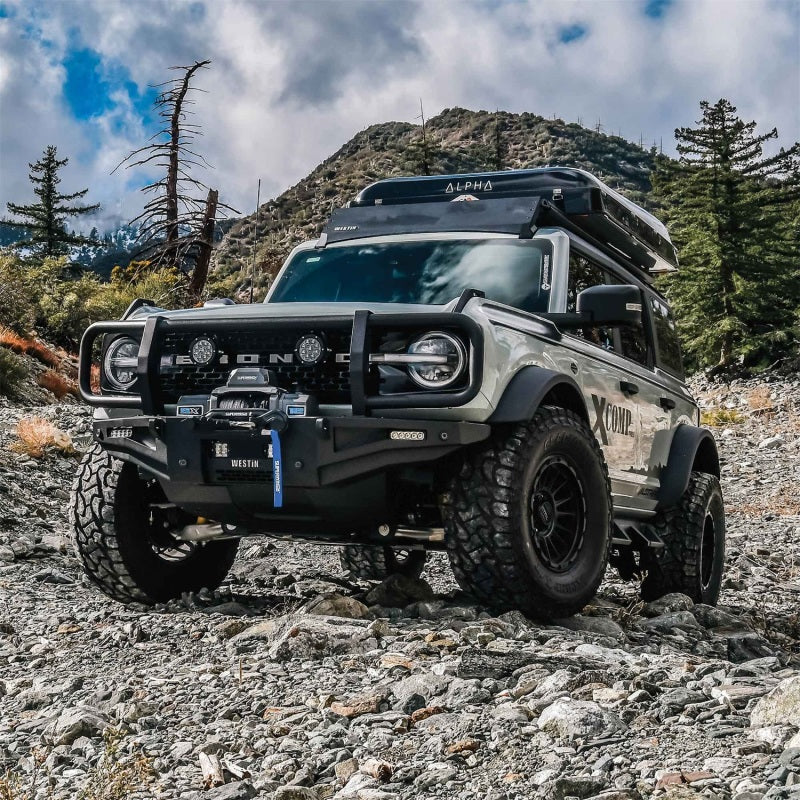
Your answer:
<point x="255" y="359"/>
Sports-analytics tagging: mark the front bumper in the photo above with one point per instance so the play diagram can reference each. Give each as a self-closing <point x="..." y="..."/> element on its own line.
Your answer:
<point x="335" y="470"/>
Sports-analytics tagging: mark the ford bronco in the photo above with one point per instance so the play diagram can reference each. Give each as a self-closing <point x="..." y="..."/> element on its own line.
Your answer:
<point x="474" y="363"/>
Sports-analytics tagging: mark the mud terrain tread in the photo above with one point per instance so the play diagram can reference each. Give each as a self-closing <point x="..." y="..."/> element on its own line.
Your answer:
<point x="96" y="540"/>
<point x="675" y="568"/>
<point x="374" y="563"/>
<point x="92" y="523"/>
<point x="479" y="520"/>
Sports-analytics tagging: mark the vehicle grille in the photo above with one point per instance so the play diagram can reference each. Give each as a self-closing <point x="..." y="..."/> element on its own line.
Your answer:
<point x="329" y="382"/>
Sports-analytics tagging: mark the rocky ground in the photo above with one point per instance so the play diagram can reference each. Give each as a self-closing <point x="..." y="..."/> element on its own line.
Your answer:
<point x="293" y="682"/>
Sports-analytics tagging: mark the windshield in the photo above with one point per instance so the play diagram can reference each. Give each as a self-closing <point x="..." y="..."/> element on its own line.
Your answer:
<point x="430" y="272"/>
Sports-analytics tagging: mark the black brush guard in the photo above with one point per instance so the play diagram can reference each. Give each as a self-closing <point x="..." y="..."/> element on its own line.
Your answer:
<point x="148" y="398"/>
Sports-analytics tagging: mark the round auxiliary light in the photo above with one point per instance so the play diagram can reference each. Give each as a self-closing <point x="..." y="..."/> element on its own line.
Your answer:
<point x="310" y="349"/>
<point x="120" y="362"/>
<point x="442" y="360"/>
<point x="203" y="350"/>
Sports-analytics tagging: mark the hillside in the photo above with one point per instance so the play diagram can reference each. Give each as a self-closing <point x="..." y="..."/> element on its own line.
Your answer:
<point x="463" y="141"/>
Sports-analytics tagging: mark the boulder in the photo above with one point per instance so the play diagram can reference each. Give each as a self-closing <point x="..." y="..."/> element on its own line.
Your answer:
<point x="79" y="721"/>
<point x="398" y="591"/>
<point x="578" y="719"/>
<point x="780" y="707"/>
<point x="337" y="605"/>
<point x="310" y="636"/>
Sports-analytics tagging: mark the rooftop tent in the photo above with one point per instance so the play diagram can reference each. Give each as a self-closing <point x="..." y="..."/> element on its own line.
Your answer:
<point x="586" y="202"/>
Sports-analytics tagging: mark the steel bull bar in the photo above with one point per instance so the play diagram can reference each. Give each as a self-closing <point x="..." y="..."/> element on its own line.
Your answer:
<point x="148" y="400"/>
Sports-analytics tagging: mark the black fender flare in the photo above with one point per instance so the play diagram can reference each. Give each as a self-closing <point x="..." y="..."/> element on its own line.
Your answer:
<point x="529" y="387"/>
<point x="692" y="448"/>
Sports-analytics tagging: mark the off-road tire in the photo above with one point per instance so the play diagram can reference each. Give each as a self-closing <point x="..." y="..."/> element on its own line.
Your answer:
<point x="693" y="558"/>
<point x="489" y="508"/>
<point x="378" y="563"/>
<point x="109" y="521"/>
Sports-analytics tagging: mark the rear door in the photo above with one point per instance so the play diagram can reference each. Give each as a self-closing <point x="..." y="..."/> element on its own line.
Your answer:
<point x="676" y="404"/>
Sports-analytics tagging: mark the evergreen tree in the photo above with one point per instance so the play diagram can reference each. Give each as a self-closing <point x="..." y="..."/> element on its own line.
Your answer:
<point x="733" y="214"/>
<point x="46" y="220"/>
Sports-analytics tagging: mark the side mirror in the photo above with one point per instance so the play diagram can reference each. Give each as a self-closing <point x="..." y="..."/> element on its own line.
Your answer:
<point x="616" y="304"/>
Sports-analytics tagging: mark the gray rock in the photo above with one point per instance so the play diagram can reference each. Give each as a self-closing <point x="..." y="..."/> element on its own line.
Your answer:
<point x="461" y="692"/>
<point x="79" y="721"/>
<point x="669" y="602"/>
<point x="337" y="605"/>
<point x="578" y="719"/>
<point x="310" y="636"/>
<point x="425" y="684"/>
<point x="771" y="443"/>
<point x="238" y="790"/>
<point x="511" y="712"/>
<point x="294" y="793"/>
<point x="488" y="664"/>
<point x="664" y="623"/>
<point x="676" y="700"/>
<point x="780" y="707"/>
<point x="580" y="786"/>
<point x="398" y="591"/>
<point x="599" y="625"/>
<point x="710" y="617"/>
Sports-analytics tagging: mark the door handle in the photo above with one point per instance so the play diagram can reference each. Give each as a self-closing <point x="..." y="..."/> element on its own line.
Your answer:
<point x="667" y="403"/>
<point x="628" y="387"/>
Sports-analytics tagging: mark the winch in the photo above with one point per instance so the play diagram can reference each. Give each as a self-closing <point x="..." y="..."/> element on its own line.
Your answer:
<point x="250" y="394"/>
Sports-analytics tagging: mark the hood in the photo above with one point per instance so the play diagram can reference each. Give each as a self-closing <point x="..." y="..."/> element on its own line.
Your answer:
<point x="287" y="310"/>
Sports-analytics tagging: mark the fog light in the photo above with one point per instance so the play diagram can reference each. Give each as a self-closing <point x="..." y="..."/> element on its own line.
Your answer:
<point x="407" y="436"/>
<point x="120" y="433"/>
<point x="202" y="351"/>
<point x="310" y="349"/>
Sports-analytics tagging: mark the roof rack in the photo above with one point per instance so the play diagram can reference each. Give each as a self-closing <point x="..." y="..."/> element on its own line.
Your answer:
<point x="516" y="202"/>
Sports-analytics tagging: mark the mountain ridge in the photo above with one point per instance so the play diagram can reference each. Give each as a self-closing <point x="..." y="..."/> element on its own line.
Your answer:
<point x="457" y="141"/>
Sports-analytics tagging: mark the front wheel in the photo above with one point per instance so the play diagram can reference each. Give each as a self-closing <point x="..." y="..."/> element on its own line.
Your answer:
<point x="124" y="541"/>
<point x="528" y="518"/>
<point x="693" y="532"/>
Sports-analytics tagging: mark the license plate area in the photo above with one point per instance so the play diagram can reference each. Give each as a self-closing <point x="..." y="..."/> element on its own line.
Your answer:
<point x="239" y="461"/>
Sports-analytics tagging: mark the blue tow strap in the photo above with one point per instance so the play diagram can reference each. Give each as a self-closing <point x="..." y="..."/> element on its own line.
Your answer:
<point x="277" y="470"/>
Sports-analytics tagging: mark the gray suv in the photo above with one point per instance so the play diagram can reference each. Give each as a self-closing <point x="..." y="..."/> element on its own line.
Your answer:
<point x="471" y="363"/>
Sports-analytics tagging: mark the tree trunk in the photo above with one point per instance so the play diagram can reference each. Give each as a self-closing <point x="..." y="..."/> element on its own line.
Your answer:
<point x="173" y="228"/>
<point x="200" y="274"/>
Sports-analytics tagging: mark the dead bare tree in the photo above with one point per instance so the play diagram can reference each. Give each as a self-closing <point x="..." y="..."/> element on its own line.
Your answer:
<point x="176" y="227"/>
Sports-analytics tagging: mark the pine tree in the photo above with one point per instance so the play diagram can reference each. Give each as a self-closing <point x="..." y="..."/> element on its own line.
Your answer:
<point x="46" y="220"/>
<point x="732" y="213"/>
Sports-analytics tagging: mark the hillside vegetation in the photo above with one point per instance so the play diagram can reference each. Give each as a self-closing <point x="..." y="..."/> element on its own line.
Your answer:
<point x="459" y="140"/>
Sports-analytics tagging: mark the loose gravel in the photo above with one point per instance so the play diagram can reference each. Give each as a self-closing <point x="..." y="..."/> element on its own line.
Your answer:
<point x="296" y="682"/>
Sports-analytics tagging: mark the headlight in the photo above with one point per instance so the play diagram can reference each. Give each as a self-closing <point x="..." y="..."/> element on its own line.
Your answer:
<point x="120" y="362"/>
<point x="442" y="360"/>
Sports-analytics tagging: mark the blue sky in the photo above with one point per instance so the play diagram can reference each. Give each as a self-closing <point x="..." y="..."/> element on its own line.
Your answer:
<point x="290" y="82"/>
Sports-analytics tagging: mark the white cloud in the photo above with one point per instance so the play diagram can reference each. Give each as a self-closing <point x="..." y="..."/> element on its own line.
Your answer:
<point x="291" y="82"/>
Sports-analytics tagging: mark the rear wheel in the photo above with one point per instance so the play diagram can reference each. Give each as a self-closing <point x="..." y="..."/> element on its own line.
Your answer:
<point x="528" y="518"/>
<point x="126" y="543"/>
<point x="378" y="563"/>
<point x="693" y="558"/>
